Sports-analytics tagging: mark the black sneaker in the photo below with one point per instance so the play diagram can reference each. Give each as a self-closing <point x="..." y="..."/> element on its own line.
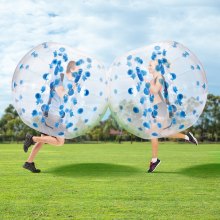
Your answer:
<point x="28" y="142"/>
<point x="192" y="139"/>
<point x="31" y="167"/>
<point x="153" y="166"/>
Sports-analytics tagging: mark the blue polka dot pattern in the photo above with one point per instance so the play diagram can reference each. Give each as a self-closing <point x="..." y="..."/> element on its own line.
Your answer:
<point x="58" y="99"/>
<point x="162" y="88"/>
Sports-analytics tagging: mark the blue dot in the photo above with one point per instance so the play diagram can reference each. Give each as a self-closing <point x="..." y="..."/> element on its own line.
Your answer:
<point x="45" y="76"/>
<point x="174" y="121"/>
<point x="79" y="62"/>
<point x="136" y="110"/>
<point x="179" y="96"/>
<point x="159" y="125"/>
<point x="37" y="95"/>
<point x="62" y="113"/>
<point x="173" y="76"/>
<point x="130" y="72"/>
<point x="80" y="111"/>
<point x="155" y="107"/>
<point x="129" y="119"/>
<point x="86" y="92"/>
<point x="146" y="91"/>
<point x="129" y="57"/>
<point x="101" y="93"/>
<point x="146" y="125"/>
<point x="74" y="101"/>
<point x="62" y="49"/>
<point x="87" y="74"/>
<point x="86" y="120"/>
<point x="35" y="125"/>
<point x="69" y="86"/>
<point x="69" y="125"/>
<point x="130" y="91"/>
<point x="182" y="114"/>
<point x="61" y="133"/>
<point x="175" y="89"/>
<point x="142" y="100"/>
<point x="43" y="88"/>
<point x="56" y="124"/>
<point x="89" y="60"/>
<point x="181" y="126"/>
<point x="34" y="113"/>
<point x="70" y="92"/>
<point x="94" y="109"/>
<point x="157" y="47"/>
<point x="154" y="113"/>
<point x="65" y="98"/>
<point x="154" y="134"/>
<point x="138" y="60"/>
<point x="45" y="107"/>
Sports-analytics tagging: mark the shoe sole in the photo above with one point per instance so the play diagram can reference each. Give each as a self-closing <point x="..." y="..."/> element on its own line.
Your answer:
<point x="155" y="167"/>
<point x="194" y="138"/>
<point x="30" y="170"/>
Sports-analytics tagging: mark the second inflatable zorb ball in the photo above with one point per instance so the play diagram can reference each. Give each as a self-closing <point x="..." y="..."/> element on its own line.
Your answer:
<point x="59" y="91"/>
<point x="157" y="90"/>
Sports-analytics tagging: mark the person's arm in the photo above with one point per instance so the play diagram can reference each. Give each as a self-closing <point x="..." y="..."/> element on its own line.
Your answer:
<point x="155" y="87"/>
<point x="60" y="91"/>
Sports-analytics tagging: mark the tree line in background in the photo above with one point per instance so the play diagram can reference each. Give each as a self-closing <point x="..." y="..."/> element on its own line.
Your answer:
<point x="12" y="129"/>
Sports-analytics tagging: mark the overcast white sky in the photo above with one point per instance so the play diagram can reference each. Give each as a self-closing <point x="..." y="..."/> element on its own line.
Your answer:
<point x="107" y="29"/>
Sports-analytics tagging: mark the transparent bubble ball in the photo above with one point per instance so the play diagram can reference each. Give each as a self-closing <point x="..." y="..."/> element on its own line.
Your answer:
<point x="158" y="90"/>
<point x="59" y="91"/>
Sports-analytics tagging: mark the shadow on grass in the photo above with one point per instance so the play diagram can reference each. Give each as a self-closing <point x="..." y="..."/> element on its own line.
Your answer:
<point x="94" y="170"/>
<point x="211" y="170"/>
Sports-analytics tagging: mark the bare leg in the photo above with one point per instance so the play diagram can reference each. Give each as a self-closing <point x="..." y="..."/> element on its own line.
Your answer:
<point x="57" y="141"/>
<point x="178" y="135"/>
<point x="155" y="161"/>
<point x="34" y="152"/>
<point x="154" y="143"/>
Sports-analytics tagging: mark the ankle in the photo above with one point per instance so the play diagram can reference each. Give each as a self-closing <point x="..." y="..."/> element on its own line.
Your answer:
<point x="154" y="159"/>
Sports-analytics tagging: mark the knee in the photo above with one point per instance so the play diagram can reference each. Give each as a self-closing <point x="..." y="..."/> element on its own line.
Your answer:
<point x="60" y="141"/>
<point x="38" y="145"/>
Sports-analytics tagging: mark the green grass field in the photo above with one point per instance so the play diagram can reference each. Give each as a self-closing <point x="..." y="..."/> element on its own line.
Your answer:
<point x="108" y="181"/>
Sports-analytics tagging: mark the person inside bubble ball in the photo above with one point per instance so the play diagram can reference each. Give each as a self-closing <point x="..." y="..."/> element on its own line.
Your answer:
<point x="59" y="94"/>
<point x="157" y="85"/>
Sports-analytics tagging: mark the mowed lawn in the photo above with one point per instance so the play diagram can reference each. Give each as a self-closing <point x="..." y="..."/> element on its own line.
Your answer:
<point x="109" y="181"/>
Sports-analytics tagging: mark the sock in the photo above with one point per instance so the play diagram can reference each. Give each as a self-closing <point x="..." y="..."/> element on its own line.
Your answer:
<point x="154" y="160"/>
<point x="186" y="138"/>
